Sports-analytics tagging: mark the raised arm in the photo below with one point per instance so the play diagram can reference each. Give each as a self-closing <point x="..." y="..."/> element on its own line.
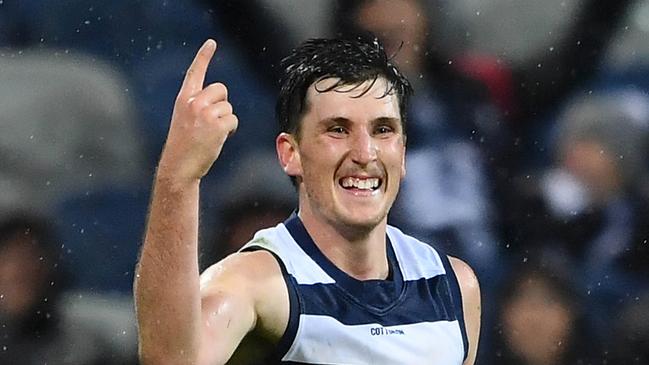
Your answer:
<point x="167" y="289"/>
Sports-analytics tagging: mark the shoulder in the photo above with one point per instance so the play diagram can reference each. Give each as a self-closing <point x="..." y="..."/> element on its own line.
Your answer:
<point x="471" y="306"/>
<point x="242" y="271"/>
<point x="466" y="277"/>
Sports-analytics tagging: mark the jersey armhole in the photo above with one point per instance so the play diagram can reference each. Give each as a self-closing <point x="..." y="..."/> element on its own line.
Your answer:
<point x="456" y="297"/>
<point x="288" y="337"/>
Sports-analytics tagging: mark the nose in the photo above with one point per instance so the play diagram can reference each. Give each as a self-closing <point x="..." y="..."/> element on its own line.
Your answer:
<point x="364" y="148"/>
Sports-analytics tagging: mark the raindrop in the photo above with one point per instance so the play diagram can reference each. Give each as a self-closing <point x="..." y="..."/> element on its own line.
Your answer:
<point x="551" y="49"/>
<point x="524" y="259"/>
<point x="86" y="22"/>
<point x="477" y="13"/>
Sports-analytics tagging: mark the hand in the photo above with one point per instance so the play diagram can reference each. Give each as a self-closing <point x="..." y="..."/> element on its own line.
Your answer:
<point x="202" y="120"/>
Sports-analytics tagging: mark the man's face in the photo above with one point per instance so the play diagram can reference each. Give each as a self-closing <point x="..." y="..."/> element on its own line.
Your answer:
<point x="350" y="154"/>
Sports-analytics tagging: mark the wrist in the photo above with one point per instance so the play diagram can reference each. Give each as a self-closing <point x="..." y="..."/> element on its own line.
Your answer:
<point x="174" y="180"/>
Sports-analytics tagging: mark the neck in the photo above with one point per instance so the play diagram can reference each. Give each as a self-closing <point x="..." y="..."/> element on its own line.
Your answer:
<point x="360" y="253"/>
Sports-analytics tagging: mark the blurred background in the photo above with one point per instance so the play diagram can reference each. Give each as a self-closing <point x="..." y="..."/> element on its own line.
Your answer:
<point x="527" y="156"/>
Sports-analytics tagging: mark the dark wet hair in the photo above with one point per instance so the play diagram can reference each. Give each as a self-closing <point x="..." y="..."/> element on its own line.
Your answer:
<point x="353" y="61"/>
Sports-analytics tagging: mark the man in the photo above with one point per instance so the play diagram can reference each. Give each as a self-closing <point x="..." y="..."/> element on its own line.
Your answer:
<point x="334" y="283"/>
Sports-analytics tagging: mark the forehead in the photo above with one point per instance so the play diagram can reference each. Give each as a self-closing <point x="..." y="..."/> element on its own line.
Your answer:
<point x="365" y="100"/>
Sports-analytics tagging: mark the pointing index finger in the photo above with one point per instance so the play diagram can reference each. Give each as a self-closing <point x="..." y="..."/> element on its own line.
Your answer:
<point x="195" y="76"/>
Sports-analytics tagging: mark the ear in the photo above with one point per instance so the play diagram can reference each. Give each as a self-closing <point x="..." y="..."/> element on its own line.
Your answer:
<point x="288" y="154"/>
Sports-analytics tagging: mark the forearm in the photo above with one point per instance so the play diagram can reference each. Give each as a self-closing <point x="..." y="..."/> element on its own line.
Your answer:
<point x="167" y="279"/>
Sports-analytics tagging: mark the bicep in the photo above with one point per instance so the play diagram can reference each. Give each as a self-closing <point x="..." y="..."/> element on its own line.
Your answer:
<point x="471" y="304"/>
<point x="227" y="315"/>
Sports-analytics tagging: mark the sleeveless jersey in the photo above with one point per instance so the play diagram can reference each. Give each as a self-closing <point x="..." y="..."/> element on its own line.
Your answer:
<point x="414" y="317"/>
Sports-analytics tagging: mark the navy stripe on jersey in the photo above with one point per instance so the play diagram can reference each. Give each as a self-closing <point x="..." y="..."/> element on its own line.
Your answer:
<point x="457" y="301"/>
<point x="375" y="295"/>
<point x="326" y="299"/>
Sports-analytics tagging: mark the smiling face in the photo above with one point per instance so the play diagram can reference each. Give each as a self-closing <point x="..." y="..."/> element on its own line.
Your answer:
<point x="349" y="155"/>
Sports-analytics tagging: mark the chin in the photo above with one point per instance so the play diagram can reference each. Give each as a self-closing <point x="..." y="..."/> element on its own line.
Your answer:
<point x="361" y="222"/>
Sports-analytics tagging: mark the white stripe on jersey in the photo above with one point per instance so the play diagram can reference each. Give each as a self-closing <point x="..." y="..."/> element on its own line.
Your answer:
<point x="331" y="342"/>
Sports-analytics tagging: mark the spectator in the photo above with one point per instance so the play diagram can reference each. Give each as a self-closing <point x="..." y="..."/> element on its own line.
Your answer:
<point x="39" y="324"/>
<point x="542" y="321"/>
<point x="592" y="202"/>
<point x="589" y="209"/>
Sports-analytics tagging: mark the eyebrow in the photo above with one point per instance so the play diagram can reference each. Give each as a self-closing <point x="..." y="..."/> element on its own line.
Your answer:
<point x="379" y="120"/>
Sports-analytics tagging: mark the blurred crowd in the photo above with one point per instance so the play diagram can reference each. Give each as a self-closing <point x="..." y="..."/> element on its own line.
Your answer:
<point x="528" y="138"/>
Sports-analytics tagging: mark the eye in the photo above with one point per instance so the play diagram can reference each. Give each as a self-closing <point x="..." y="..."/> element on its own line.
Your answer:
<point x="383" y="129"/>
<point x="337" y="129"/>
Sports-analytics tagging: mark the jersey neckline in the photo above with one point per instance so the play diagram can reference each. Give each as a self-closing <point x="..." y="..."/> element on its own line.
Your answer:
<point x="376" y="295"/>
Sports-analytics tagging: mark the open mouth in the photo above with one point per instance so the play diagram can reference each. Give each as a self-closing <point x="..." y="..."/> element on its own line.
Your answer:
<point x="360" y="183"/>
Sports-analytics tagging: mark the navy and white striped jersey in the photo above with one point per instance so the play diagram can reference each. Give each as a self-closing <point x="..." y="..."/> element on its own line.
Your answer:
<point x="414" y="317"/>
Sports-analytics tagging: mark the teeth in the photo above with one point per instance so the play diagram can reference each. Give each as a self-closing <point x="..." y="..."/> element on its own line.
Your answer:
<point x="364" y="184"/>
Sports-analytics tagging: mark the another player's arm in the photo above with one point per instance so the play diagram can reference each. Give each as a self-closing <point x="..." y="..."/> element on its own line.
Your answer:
<point x="470" y="289"/>
<point x="167" y="295"/>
